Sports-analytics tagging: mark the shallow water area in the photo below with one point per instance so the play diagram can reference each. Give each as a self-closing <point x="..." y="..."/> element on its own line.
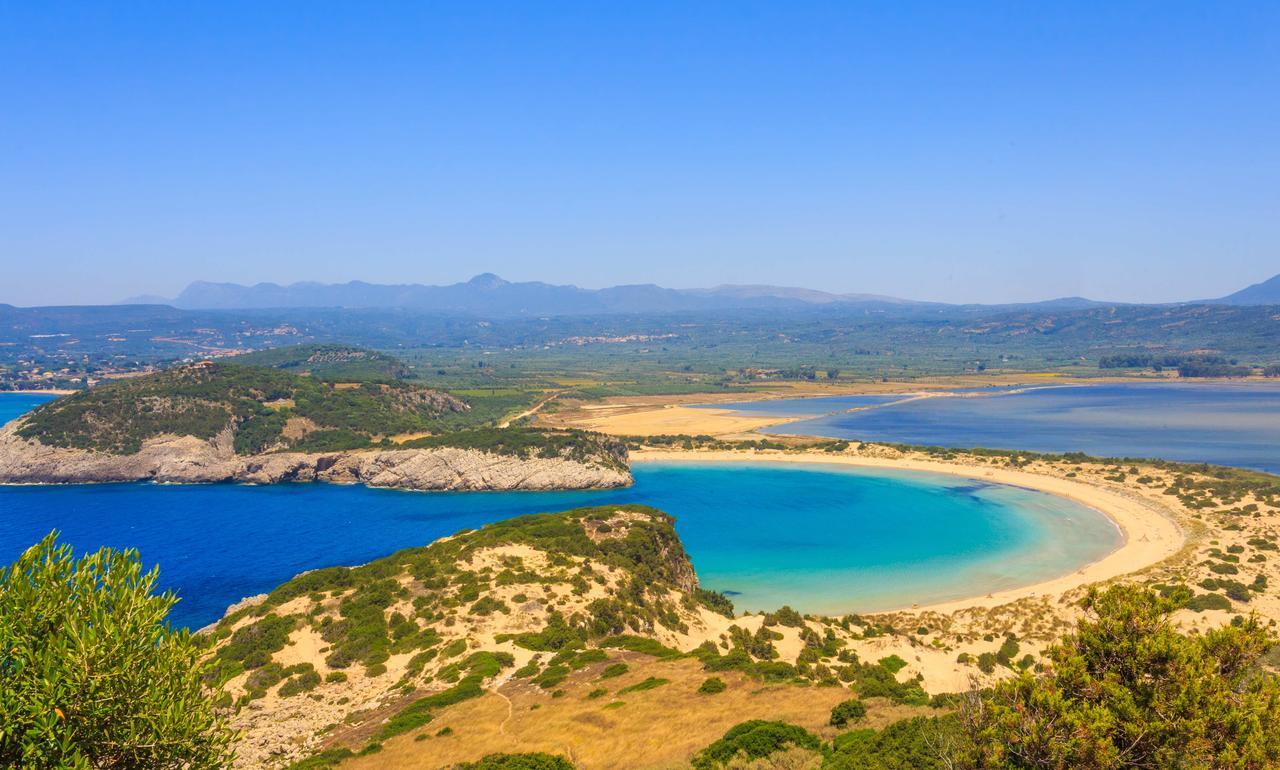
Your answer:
<point x="826" y="540"/>
<point x="1225" y="423"/>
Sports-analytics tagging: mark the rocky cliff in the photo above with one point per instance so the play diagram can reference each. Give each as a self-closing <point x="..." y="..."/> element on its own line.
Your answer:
<point x="188" y="459"/>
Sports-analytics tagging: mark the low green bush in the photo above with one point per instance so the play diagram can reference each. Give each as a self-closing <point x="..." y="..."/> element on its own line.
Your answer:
<point x="754" y="739"/>
<point x="645" y="684"/>
<point x="852" y="710"/>
<point x="536" y="761"/>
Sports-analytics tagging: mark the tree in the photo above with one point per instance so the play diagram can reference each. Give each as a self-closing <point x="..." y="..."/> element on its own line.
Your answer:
<point x="754" y="739"/>
<point x="91" y="675"/>
<point x="919" y="743"/>
<point x="1127" y="690"/>
<point x="852" y="710"/>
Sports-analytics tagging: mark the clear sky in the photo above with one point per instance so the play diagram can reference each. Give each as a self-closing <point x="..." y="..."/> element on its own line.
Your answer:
<point x="941" y="151"/>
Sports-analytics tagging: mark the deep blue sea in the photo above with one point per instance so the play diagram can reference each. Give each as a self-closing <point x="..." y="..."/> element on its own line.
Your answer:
<point x="1224" y="423"/>
<point x="822" y="538"/>
<point x="14" y="404"/>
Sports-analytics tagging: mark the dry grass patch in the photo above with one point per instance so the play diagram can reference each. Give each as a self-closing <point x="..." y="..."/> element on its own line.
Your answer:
<point x="654" y="728"/>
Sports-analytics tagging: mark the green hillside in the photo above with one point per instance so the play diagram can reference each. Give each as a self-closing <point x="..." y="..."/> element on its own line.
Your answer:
<point x="333" y="363"/>
<point x="265" y="409"/>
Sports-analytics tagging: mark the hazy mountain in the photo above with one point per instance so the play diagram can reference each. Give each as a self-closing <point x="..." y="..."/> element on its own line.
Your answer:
<point x="487" y="294"/>
<point x="1264" y="293"/>
<point x="1060" y="303"/>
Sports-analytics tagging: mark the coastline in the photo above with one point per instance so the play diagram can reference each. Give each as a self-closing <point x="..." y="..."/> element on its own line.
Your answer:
<point x="1149" y="534"/>
<point x="42" y="391"/>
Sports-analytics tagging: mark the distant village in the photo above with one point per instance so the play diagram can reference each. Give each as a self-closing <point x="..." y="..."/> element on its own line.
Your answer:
<point x="60" y="362"/>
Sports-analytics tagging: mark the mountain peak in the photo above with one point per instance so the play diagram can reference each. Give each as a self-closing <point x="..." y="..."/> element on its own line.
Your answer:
<point x="487" y="281"/>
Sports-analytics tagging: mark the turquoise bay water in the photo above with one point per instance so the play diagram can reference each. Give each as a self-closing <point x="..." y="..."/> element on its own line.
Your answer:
<point x="821" y="538"/>
<point x="1224" y="423"/>
<point x="15" y="404"/>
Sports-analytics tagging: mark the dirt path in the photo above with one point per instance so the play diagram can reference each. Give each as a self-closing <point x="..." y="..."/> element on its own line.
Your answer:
<point x="502" y="726"/>
<point x="531" y="411"/>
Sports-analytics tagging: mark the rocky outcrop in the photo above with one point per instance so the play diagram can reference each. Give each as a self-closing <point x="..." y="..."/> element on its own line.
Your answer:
<point x="186" y="459"/>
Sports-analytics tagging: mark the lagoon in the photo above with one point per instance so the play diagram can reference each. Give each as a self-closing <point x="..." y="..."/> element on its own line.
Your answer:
<point x="824" y="539"/>
<point x="1225" y="423"/>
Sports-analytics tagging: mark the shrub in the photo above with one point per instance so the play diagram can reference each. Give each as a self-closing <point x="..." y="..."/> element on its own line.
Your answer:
<point x="909" y="744"/>
<point x="1007" y="650"/>
<point x="893" y="664"/>
<point x="1129" y="690"/>
<point x="878" y="682"/>
<point x="585" y="658"/>
<point x="712" y="685"/>
<point x="303" y="682"/>
<point x="557" y="635"/>
<point x="552" y="676"/>
<point x="488" y="605"/>
<point x="324" y="760"/>
<point x="785" y="617"/>
<point x="251" y="645"/>
<point x="640" y="644"/>
<point x="754" y="739"/>
<point x="91" y="675"/>
<point x="479" y="666"/>
<point x="715" y="601"/>
<point x="536" y="761"/>
<point x="1204" y="602"/>
<point x="645" y="684"/>
<point x="852" y="710"/>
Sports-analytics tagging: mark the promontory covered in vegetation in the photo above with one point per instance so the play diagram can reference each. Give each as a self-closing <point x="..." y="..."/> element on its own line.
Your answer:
<point x="213" y="421"/>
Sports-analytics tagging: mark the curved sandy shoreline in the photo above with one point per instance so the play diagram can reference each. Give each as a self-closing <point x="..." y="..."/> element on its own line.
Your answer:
<point x="1150" y="535"/>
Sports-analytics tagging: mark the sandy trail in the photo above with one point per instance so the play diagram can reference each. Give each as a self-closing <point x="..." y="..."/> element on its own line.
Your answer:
<point x="531" y="411"/>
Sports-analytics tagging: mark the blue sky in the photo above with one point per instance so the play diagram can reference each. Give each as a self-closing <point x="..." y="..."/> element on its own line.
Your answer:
<point x="940" y="151"/>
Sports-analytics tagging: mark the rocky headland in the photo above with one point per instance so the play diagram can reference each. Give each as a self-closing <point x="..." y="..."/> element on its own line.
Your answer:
<point x="188" y="459"/>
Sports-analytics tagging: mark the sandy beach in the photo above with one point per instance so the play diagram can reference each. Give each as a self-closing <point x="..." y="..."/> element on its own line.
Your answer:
<point x="1150" y="533"/>
<point x="662" y="420"/>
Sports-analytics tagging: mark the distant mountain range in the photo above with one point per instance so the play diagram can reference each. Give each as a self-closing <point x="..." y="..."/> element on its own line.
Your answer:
<point x="487" y="294"/>
<point x="1265" y="293"/>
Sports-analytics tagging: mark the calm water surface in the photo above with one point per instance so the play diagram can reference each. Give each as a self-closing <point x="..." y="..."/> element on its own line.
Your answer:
<point x="821" y="538"/>
<point x="1224" y="423"/>
<point x="803" y="407"/>
<point x="15" y="404"/>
